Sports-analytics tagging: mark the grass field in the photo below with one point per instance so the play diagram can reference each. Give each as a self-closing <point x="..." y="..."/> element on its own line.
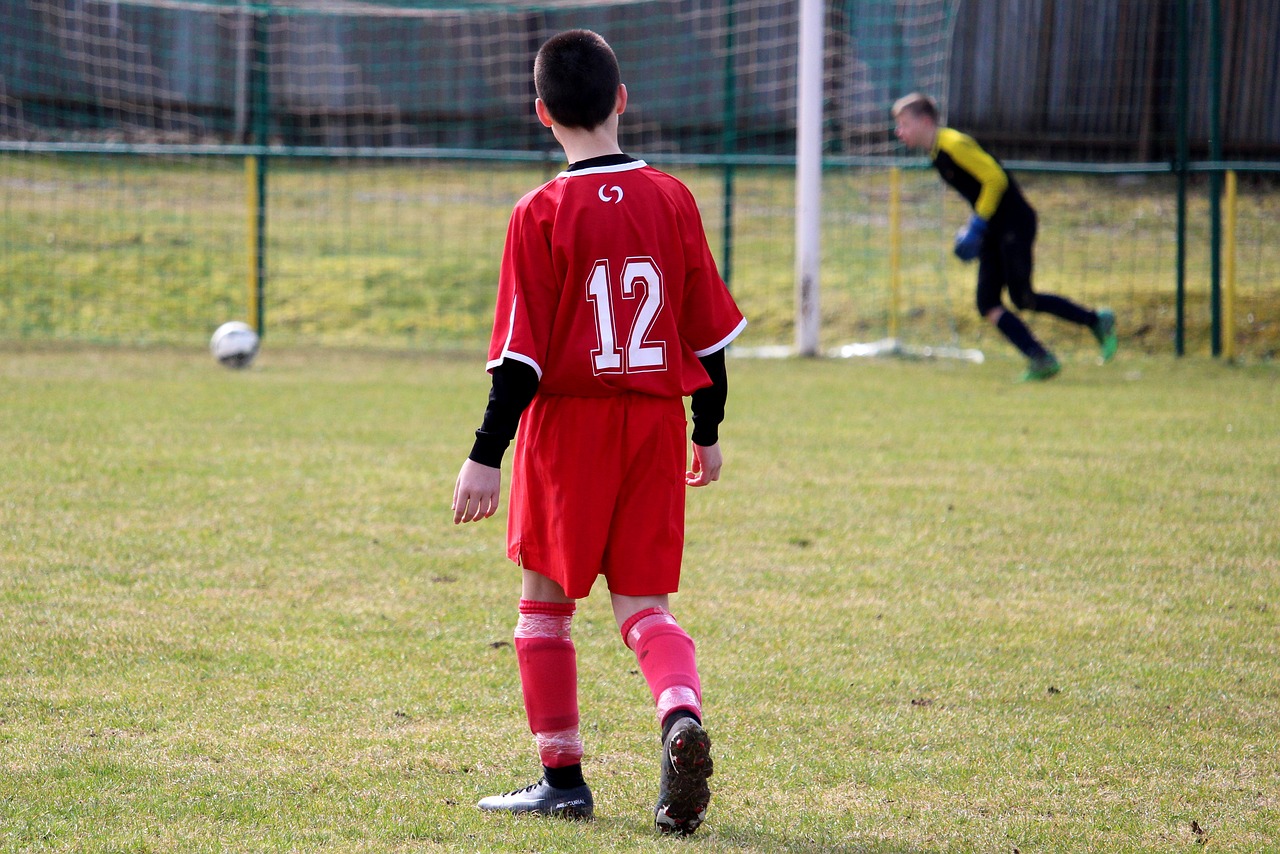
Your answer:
<point x="405" y="254"/>
<point x="936" y="612"/>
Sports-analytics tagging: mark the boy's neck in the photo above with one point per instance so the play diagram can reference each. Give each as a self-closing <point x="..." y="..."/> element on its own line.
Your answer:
<point x="582" y="144"/>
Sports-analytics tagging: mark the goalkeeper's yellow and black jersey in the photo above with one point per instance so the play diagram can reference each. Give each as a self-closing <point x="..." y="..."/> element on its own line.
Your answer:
<point x="981" y="179"/>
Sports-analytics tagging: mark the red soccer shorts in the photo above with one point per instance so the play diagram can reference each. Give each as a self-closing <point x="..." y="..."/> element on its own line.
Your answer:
<point x="597" y="488"/>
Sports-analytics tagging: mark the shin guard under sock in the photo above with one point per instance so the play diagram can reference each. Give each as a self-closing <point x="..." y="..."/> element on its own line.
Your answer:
<point x="666" y="656"/>
<point x="549" y="679"/>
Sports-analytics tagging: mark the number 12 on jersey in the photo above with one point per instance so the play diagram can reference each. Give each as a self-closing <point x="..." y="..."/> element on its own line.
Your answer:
<point x="642" y="279"/>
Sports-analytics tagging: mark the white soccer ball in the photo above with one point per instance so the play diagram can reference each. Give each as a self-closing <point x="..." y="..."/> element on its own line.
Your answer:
<point x="234" y="344"/>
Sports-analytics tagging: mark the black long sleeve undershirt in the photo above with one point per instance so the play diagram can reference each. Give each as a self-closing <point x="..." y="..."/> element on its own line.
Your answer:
<point x="707" y="404"/>
<point x="513" y="388"/>
<point x="514" y="384"/>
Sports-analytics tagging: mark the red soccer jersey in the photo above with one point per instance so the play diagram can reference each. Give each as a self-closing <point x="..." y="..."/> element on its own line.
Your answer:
<point x="608" y="286"/>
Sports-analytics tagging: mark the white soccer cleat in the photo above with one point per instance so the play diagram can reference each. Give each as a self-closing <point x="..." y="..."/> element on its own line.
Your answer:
<point x="541" y="798"/>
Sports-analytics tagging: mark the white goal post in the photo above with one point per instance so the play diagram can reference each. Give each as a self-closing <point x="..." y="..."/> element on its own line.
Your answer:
<point x="870" y="57"/>
<point x="809" y="175"/>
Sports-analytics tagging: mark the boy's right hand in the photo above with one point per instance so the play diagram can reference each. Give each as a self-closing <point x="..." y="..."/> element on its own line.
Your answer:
<point x="475" y="495"/>
<point x="969" y="238"/>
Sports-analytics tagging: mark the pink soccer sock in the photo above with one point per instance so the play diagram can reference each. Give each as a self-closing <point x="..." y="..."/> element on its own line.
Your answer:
<point x="549" y="678"/>
<point x="666" y="656"/>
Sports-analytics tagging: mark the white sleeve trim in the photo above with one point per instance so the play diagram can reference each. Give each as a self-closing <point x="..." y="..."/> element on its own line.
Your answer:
<point x="737" y="330"/>
<point x="507" y="352"/>
<point x="515" y="357"/>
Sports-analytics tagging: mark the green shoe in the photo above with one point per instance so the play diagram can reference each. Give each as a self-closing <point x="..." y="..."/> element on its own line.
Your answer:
<point x="1105" y="331"/>
<point x="1044" y="368"/>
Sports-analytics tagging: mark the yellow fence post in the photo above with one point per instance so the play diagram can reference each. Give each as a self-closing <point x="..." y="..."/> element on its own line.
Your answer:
<point x="1229" y="271"/>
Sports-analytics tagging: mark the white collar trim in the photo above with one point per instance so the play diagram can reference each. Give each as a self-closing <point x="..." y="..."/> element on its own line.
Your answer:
<point x="603" y="170"/>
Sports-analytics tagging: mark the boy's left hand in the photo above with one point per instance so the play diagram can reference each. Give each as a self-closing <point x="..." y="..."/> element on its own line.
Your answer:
<point x="475" y="495"/>
<point x="707" y="461"/>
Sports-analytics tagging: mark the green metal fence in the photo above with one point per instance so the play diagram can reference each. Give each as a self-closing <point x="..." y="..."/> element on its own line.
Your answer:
<point x="154" y="182"/>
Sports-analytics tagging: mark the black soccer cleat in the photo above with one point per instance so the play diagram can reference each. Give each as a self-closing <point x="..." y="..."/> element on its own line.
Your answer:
<point x="541" y="798"/>
<point x="686" y="765"/>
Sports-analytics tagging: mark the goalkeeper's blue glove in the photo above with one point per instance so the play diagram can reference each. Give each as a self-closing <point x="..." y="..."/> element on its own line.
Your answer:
<point x="969" y="238"/>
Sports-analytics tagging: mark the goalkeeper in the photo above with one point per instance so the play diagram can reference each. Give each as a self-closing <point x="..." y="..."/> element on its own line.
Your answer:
<point x="1000" y="234"/>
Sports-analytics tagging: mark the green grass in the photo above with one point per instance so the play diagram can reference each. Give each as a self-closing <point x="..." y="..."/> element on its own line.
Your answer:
<point x="935" y="611"/>
<point x="406" y="254"/>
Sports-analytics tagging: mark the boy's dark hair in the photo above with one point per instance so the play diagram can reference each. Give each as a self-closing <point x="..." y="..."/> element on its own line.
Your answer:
<point x="576" y="75"/>
<point x="917" y="105"/>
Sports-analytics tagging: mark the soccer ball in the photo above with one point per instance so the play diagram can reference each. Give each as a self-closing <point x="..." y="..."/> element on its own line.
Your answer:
<point x="234" y="344"/>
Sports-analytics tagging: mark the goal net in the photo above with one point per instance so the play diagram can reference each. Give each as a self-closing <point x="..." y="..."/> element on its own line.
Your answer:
<point x="400" y="132"/>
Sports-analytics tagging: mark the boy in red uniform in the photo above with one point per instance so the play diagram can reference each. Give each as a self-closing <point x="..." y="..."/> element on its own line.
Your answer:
<point x="610" y="310"/>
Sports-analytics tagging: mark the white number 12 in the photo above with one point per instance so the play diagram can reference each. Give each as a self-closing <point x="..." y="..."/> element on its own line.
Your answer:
<point x="638" y="274"/>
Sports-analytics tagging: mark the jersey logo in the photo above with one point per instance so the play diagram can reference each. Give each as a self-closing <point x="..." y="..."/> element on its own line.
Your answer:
<point x="608" y="196"/>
